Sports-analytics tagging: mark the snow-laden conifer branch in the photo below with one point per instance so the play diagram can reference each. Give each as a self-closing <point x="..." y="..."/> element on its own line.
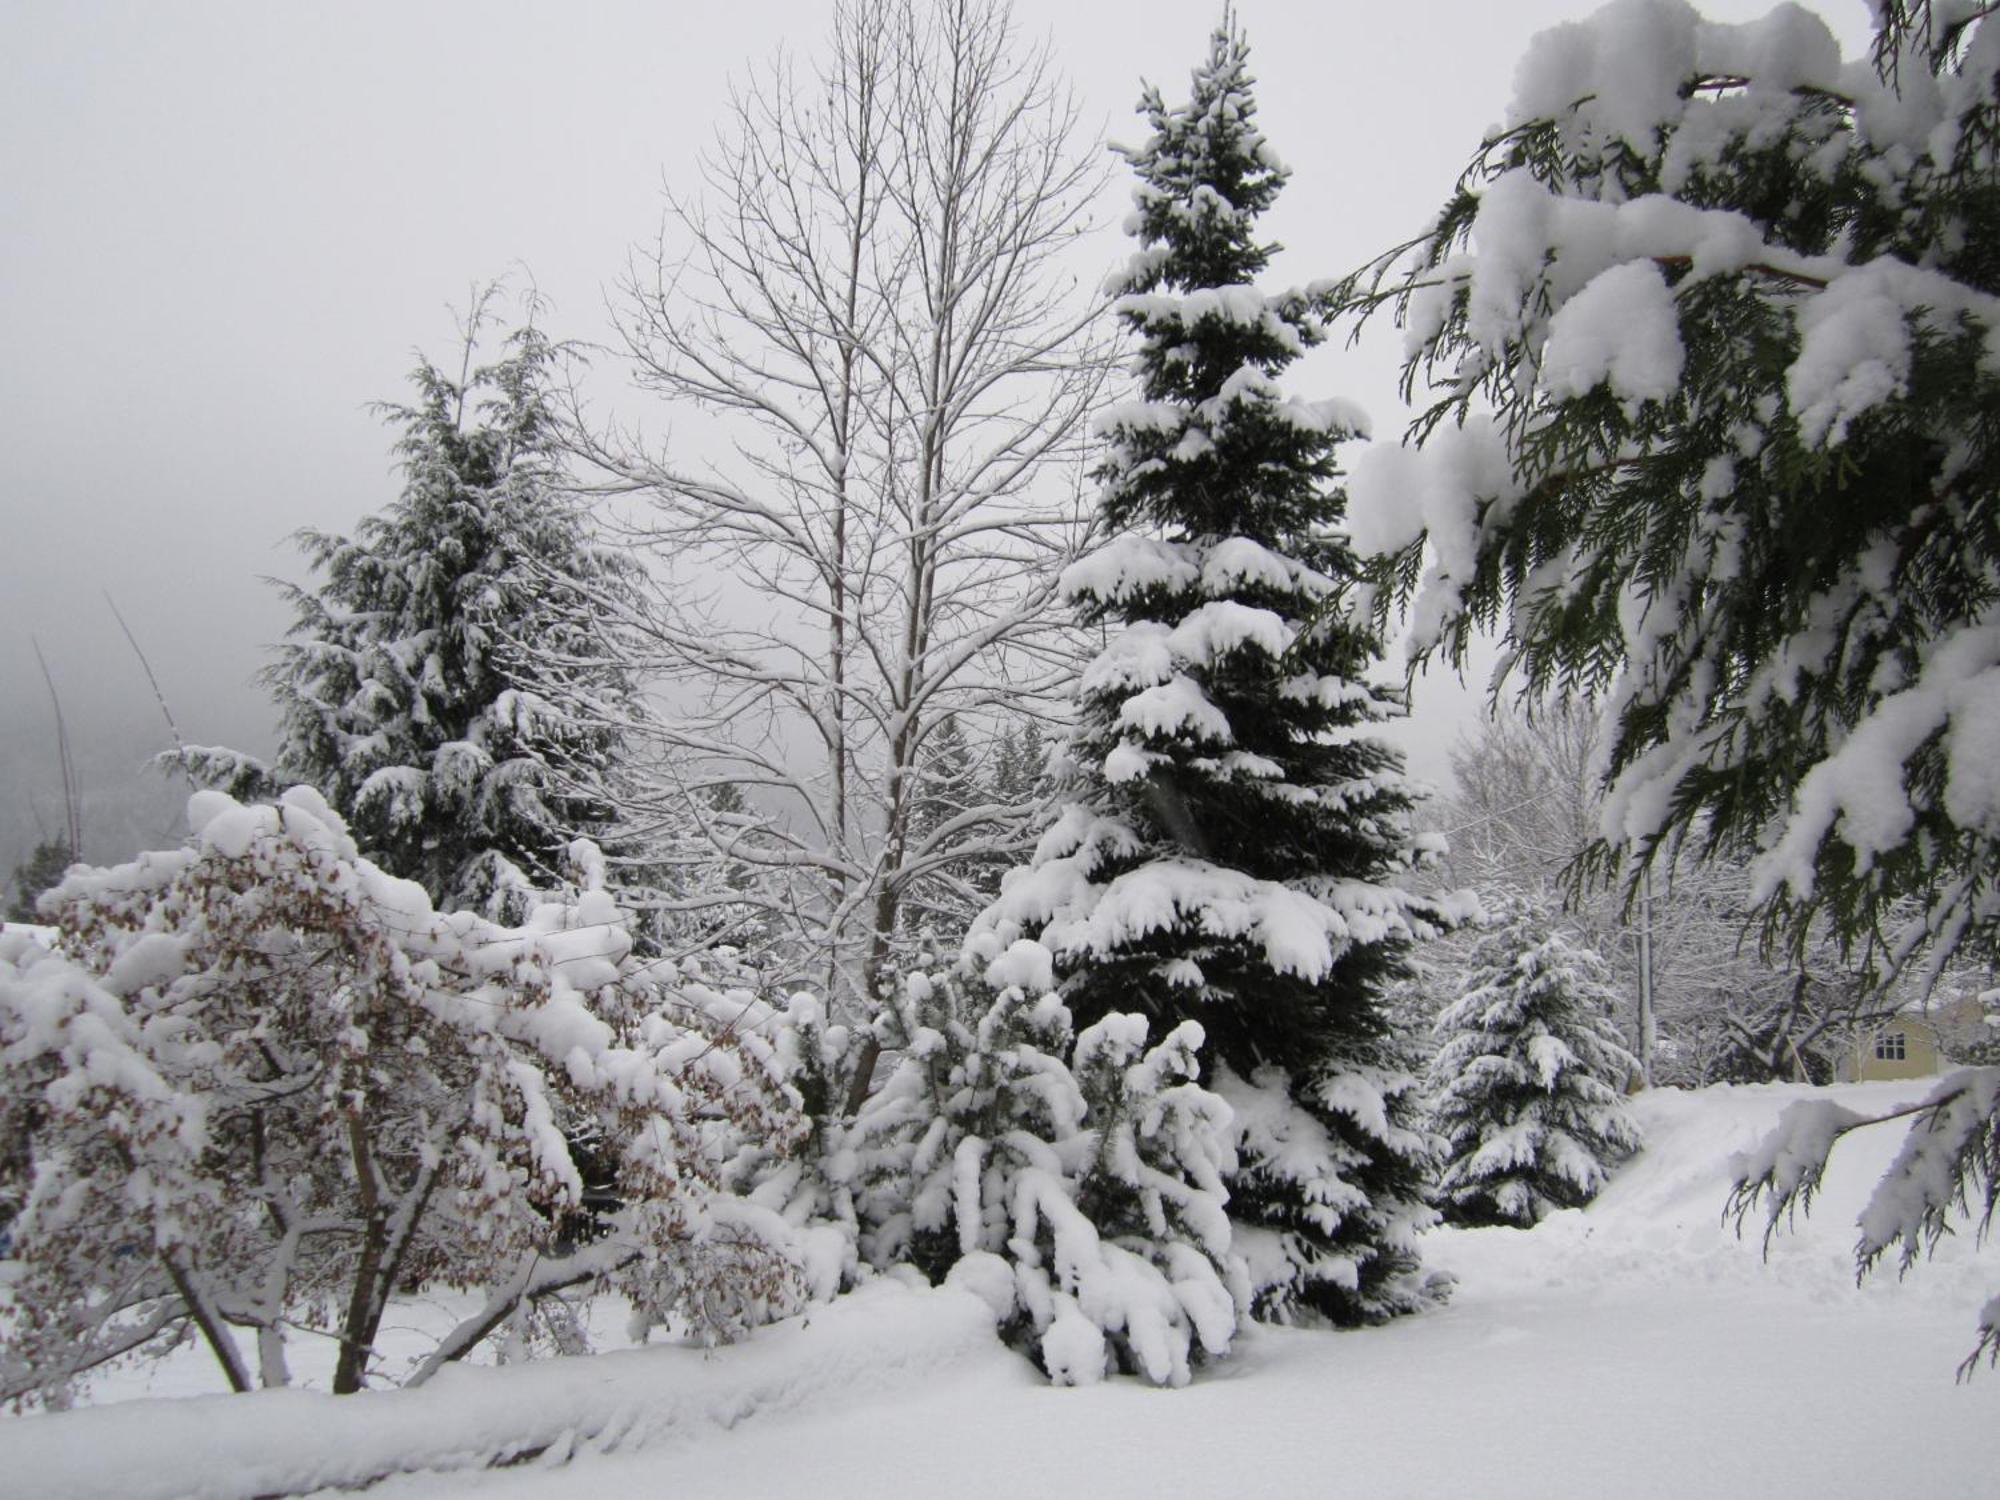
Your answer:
<point x="1948" y="1167"/>
<point x="1703" y="371"/>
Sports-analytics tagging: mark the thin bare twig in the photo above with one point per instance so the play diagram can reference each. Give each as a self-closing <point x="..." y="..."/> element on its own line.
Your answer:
<point x="180" y="745"/>
<point x="72" y="807"/>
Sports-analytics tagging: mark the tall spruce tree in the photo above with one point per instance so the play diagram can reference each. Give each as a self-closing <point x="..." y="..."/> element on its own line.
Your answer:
<point x="449" y="681"/>
<point x="1230" y="840"/>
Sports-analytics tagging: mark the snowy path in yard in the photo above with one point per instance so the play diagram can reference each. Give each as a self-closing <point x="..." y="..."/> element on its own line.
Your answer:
<point x="1637" y="1349"/>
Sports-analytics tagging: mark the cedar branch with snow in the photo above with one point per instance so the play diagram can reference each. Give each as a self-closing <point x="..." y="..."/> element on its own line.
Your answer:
<point x="1951" y="1154"/>
<point x="1709" y="339"/>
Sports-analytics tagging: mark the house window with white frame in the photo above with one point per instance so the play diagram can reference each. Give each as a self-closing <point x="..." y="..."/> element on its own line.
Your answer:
<point x="1891" y="1046"/>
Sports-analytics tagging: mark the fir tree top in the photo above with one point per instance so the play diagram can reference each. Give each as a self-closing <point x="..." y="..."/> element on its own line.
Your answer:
<point x="1204" y="177"/>
<point x="1213" y="447"/>
<point x="1214" y="767"/>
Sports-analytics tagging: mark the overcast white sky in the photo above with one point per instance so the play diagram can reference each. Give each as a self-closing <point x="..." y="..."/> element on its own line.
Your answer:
<point x="224" y="228"/>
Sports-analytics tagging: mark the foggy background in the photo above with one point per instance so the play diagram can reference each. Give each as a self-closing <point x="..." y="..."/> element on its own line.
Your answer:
<point x="226" y="228"/>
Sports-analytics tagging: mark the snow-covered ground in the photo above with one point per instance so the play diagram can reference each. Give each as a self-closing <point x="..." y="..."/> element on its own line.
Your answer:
<point x="1635" y="1349"/>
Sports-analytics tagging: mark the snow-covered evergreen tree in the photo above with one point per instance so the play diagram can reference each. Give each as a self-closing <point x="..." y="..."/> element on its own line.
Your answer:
<point x="1527" y="1088"/>
<point x="702" y="890"/>
<point x="1232" y="835"/>
<point x="449" y="681"/>
<point x="951" y="798"/>
<point x="1073" y="1180"/>
<point x="42" y="869"/>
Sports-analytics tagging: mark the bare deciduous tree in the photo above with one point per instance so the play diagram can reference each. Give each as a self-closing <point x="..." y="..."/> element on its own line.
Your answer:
<point x="870" y="308"/>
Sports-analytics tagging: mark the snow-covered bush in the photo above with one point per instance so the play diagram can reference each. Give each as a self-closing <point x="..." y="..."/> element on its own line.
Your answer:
<point x="1526" y="1088"/>
<point x="802" y="1179"/>
<point x="264" y="1086"/>
<point x="1075" y="1183"/>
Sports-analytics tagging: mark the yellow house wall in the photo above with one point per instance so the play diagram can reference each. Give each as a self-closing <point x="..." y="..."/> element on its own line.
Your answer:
<point x="1921" y="1058"/>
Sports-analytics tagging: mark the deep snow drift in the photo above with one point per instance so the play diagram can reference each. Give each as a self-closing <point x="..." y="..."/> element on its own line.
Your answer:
<point x="1635" y="1348"/>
